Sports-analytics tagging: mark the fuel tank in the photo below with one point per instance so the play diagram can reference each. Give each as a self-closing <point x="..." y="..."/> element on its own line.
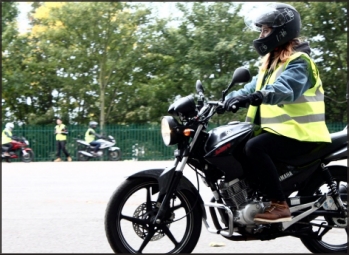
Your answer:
<point x="224" y="148"/>
<point x="222" y="139"/>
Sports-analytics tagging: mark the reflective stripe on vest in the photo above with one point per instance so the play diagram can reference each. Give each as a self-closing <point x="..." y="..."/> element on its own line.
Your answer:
<point x="89" y="138"/>
<point x="4" y="138"/>
<point x="60" y="137"/>
<point x="303" y="119"/>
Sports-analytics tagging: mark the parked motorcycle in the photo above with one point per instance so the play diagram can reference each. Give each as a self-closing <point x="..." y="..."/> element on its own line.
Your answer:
<point x="160" y="210"/>
<point x="19" y="150"/>
<point x="107" y="145"/>
<point x="137" y="151"/>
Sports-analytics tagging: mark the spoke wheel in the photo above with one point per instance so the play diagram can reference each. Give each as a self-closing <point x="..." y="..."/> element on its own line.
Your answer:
<point x="129" y="220"/>
<point x="334" y="240"/>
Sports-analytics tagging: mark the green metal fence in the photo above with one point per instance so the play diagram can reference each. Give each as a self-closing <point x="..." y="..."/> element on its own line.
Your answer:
<point x="42" y="140"/>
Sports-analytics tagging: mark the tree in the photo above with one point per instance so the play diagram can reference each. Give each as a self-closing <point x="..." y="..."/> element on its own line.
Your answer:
<point x="210" y="41"/>
<point x="95" y="45"/>
<point x="115" y="62"/>
<point x="9" y="32"/>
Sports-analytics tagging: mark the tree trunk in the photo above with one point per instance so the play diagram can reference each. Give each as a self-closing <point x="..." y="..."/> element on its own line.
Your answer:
<point x="102" y="96"/>
<point x="102" y="115"/>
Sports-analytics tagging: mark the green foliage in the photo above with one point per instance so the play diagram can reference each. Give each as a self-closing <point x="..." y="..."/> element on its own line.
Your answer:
<point x="9" y="31"/>
<point x="116" y="63"/>
<point x="29" y="78"/>
<point x="95" y="48"/>
<point x="209" y="42"/>
<point x="9" y="13"/>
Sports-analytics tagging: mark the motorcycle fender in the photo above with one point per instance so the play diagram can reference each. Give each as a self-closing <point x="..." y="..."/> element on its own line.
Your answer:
<point x="114" y="148"/>
<point x="86" y="153"/>
<point x="184" y="183"/>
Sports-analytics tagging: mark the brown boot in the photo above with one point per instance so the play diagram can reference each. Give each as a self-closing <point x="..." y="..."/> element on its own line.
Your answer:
<point x="69" y="159"/>
<point x="277" y="212"/>
<point x="57" y="160"/>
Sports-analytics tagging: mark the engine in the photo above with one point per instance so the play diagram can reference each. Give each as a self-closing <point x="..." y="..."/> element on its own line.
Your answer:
<point x="235" y="195"/>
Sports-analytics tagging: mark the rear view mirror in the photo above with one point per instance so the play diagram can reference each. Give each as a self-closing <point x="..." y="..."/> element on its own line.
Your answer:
<point x="241" y="74"/>
<point x="199" y="87"/>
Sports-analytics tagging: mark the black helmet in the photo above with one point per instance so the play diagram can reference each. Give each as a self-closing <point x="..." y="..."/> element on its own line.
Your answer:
<point x="284" y="20"/>
<point x="93" y="124"/>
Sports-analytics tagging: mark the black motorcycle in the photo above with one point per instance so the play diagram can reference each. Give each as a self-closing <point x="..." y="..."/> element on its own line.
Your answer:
<point x="161" y="211"/>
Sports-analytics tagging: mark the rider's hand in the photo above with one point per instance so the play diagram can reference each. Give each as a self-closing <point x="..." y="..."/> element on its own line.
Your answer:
<point x="233" y="104"/>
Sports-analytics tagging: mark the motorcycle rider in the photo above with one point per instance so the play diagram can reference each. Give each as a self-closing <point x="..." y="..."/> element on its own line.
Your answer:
<point x="285" y="100"/>
<point x="90" y="136"/>
<point x="7" y="137"/>
<point x="61" y="138"/>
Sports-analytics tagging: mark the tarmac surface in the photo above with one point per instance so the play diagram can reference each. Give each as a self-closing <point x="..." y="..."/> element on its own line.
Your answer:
<point x="52" y="207"/>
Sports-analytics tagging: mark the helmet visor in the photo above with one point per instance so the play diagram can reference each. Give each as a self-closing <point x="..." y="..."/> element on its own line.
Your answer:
<point x="267" y="15"/>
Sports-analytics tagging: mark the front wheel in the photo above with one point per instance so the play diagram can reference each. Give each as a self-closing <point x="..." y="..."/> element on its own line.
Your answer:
<point x="129" y="220"/>
<point x="28" y="157"/>
<point x="114" y="155"/>
<point x="333" y="240"/>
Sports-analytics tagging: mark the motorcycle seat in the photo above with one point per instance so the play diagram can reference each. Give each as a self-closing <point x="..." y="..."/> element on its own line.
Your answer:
<point x="83" y="142"/>
<point x="339" y="141"/>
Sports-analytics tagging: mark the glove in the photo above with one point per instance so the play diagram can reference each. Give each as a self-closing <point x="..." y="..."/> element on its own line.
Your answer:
<point x="234" y="104"/>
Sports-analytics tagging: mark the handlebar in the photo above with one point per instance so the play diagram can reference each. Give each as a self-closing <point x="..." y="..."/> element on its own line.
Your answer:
<point x="215" y="103"/>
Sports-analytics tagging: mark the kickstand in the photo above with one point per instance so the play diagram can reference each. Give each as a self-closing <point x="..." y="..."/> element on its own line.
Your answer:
<point x="326" y="229"/>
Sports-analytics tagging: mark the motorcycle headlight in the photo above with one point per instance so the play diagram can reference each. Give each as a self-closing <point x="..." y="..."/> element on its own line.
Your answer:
<point x="168" y="130"/>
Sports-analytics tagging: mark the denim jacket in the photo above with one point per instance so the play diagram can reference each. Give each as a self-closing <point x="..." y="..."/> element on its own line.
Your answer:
<point x="290" y="85"/>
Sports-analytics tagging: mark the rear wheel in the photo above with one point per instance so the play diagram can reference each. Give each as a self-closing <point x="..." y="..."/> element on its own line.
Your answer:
<point x="129" y="220"/>
<point x="335" y="240"/>
<point x="28" y="157"/>
<point x="82" y="157"/>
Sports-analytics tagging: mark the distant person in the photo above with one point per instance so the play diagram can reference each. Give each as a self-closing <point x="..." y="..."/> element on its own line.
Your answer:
<point x="61" y="139"/>
<point x="90" y="136"/>
<point x="7" y="137"/>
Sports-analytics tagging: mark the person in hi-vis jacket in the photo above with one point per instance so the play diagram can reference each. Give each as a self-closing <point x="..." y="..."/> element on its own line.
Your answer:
<point x="61" y="139"/>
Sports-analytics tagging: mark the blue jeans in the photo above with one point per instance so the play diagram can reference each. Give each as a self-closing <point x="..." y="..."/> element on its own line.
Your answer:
<point x="96" y="144"/>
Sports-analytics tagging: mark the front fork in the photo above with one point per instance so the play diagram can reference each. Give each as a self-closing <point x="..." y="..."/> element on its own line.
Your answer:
<point x="24" y="152"/>
<point x="170" y="178"/>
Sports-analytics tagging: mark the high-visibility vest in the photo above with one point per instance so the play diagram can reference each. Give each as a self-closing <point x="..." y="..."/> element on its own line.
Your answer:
<point x="60" y="137"/>
<point x="4" y="138"/>
<point x="303" y="119"/>
<point x="89" y="137"/>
